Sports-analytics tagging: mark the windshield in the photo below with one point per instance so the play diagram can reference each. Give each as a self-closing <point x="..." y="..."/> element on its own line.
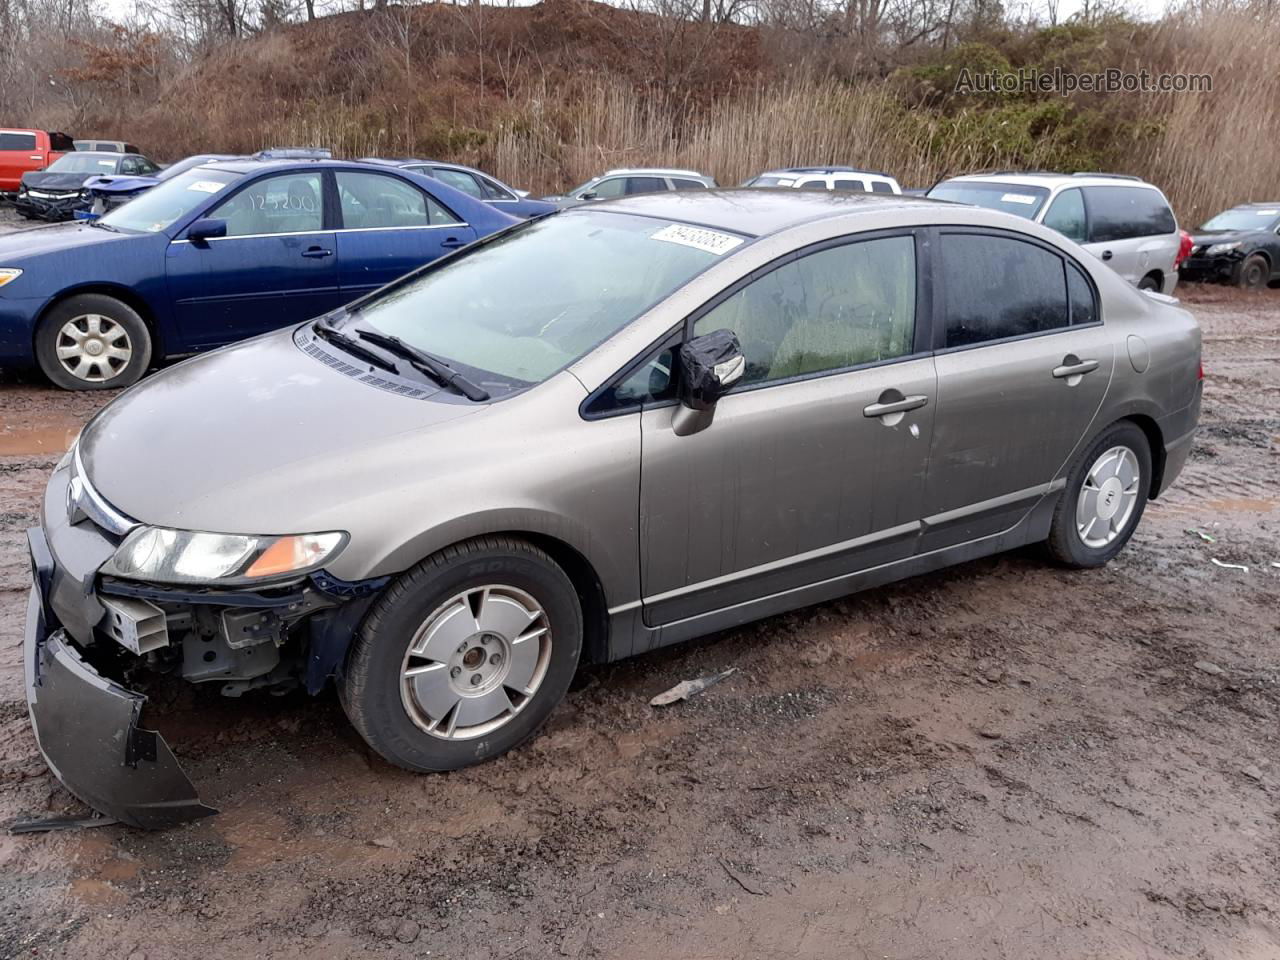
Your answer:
<point x="527" y="304"/>
<point x="169" y="201"/>
<point x="770" y="180"/>
<point x="1245" y="218"/>
<point x="84" y="163"/>
<point x="1013" y="198"/>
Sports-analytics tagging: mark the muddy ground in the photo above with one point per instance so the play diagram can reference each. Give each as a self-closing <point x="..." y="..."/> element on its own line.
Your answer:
<point x="1003" y="760"/>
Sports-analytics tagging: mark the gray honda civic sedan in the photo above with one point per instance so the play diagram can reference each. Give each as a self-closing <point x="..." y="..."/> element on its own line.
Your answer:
<point x="591" y="435"/>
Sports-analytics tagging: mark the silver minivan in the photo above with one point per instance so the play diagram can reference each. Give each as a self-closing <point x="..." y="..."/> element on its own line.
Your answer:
<point x="1122" y="220"/>
<point x="614" y="428"/>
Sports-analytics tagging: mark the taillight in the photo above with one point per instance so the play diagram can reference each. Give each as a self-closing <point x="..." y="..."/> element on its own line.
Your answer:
<point x="1185" y="244"/>
<point x="1200" y="371"/>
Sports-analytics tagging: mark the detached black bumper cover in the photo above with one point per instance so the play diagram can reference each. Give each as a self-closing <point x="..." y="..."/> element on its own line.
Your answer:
<point x="87" y="726"/>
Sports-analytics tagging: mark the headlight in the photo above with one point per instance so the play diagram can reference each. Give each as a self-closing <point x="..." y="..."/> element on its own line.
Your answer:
<point x="185" y="556"/>
<point x="1218" y="248"/>
<point x="9" y="274"/>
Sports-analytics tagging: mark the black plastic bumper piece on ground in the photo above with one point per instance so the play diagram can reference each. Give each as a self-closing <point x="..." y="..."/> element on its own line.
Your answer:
<point x="87" y="726"/>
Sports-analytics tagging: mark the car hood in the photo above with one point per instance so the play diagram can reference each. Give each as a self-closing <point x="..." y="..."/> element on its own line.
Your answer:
<point x="21" y="244"/>
<point x="1224" y="236"/>
<point x="119" y="184"/>
<point x="259" y="437"/>
<point x="54" y="180"/>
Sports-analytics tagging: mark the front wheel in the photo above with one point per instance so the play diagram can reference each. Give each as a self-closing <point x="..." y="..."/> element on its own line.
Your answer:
<point x="1254" y="273"/>
<point x="464" y="656"/>
<point x="1104" y="499"/>
<point x="93" y="342"/>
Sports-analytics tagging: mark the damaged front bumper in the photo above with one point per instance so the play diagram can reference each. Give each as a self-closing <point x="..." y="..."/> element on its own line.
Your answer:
<point x="50" y="208"/>
<point x="87" y="726"/>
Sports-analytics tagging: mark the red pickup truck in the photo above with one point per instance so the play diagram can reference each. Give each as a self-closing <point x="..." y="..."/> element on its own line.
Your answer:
<point x="22" y="151"/>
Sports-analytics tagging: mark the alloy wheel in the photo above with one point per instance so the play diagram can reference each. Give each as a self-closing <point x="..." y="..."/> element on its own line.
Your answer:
<point x="1108" y="497"/>
<point x="475" y="662"/>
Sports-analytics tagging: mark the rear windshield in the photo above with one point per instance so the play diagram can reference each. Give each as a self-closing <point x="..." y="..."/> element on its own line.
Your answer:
<point x="84" y="163"/>
<point x="524" y="306"/>
<point x="1246" y="218"/>
<point x="167" y="202"/>
<point x="1012" y="198"/>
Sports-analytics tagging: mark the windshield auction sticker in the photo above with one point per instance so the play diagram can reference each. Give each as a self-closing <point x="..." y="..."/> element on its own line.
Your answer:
<point x="1017" y="198"/>
<point x="710" y="241"/>
<point x="206" y="186"/>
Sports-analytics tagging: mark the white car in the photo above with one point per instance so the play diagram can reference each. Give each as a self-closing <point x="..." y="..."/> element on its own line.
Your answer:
<point x="1121" y="220"/>
<point x="827" y="178"/>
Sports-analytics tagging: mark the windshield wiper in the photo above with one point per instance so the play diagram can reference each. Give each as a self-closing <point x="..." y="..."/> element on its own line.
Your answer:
<point x="352" y="346"/>
<point x="433" y="367"/>
<point x="103" y="226"/>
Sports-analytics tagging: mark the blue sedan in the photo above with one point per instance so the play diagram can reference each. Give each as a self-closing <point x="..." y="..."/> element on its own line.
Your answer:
<point x="217" y="254"/>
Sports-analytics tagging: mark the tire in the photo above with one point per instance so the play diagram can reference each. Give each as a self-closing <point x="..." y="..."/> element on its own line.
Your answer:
<point x="1253" y="273"/>
<point x="91" y="322"/>
<point x="499" y="579"/>
<point x="1149" y="282"/>
<point x="1097" y="545"/>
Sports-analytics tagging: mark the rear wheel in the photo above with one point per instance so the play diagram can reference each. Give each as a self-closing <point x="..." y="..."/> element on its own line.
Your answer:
<point x="1150" y="282"/>
<point x="93" y="342"/>
<point x="464" y="656"/>
<point x="1104" y="499"/>
<point x="1254" y="273"/>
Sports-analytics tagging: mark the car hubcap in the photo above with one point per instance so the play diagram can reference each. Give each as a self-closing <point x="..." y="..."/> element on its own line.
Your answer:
<point x="1108" y="498"/>
<point x="93" y="347"/>
<point x="476" y="662"/>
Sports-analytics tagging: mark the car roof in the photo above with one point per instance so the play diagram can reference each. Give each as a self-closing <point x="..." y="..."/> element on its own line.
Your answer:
<point x="110" y="154"/>
<point x="825" y="171"/>
<point x="255" y="164"/>
<point x="1048" y="179"/>
<point x="654" y="171"/>
<point x="754" y="213"/>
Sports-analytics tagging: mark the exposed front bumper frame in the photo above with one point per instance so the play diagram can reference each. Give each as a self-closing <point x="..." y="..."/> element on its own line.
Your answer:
<point x="86" y="725"/>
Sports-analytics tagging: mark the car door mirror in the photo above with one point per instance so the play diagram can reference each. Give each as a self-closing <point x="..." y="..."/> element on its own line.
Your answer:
<point x="206" y="228"/>
<point x="589" y="195"/>
<point x="709" y="366"/>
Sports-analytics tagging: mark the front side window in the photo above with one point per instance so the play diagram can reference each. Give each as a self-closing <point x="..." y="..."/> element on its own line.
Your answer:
<point x="525" y="305"/>
<point x="1122" y="213"/>
<point x="372" y="201"/>
<point x="812" y="183"/>
<point x="170" y="201"/>
<point x="460" y="181"/>
<point x="131" y="166"/>
<point x="1015" y="198"/>
<point x="285" y="203"/>
<point x="18" y="141"/>
<point x="836" y="308"/>
<point x="998" y="287"/>
<point x="1066" y="215"/>
<point x="607" y="189"/>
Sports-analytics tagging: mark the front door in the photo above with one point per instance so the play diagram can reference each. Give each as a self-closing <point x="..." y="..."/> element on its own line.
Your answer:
<point x="276" y="265"/>
<point x="814" y="466"/>
<point x="388" y="228"/>
<point x="1023" y="366"/>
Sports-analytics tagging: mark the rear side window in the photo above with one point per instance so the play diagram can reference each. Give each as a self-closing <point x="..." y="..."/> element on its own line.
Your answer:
<point x="848" y="183"/>
<point x="645" y="185"/>
<point x="1084" y="308"/>
<point x="371" y="201"/>
<point x="998" y="287"/>
<point x="1066" y="215"/>
<point x="682" y="184"/>
<point x="460" y="181"/>
<point x="492" y="191"/>
<point x="17" y="141"/>
<point x="1119" y="213"/>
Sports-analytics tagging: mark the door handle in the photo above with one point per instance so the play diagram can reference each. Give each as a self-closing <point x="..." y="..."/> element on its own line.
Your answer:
<point x="1073" y="366"/>
<point x="1106" y="254"/>
<point x="886" y="408"/>
<point x="316" y="253"/>
<point x="452" y="243"/>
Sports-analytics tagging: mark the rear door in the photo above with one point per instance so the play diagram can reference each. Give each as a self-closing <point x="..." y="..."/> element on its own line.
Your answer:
<point x="276" y="265"/>
<point x="804" y="474"/>
<point x="387" y="227"/>
<point x="1132" y="229"/>
<point x="1023" y="364"/>
<point x="18" y="154"/>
